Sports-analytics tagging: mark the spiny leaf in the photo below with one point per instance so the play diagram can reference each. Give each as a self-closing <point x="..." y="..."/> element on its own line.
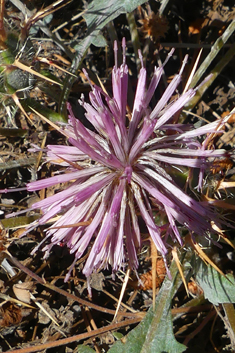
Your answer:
<point x="217" y="288"/>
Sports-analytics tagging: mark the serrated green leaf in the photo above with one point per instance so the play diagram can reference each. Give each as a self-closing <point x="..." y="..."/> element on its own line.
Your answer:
<point x="217" y="288"/>
<point x="155" y="333"/>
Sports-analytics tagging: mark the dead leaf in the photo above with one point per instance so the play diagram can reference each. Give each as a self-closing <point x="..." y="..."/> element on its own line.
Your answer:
<point x="11" y="315"/>
<point x="197" y="25"/>
<point x="22" y="291"/>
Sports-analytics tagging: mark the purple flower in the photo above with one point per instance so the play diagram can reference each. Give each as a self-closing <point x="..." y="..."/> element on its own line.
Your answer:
<point x="118" y="173"/>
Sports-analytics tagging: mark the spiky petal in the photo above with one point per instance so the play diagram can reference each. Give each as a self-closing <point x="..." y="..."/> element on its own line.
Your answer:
<point x="119" y="173"/>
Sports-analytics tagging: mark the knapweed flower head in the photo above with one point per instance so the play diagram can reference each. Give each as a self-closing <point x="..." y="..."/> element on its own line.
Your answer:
<point x="116" y="174"/>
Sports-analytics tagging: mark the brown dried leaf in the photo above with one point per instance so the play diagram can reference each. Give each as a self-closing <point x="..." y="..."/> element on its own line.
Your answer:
<point x="154" y="26"/>
<point x="146" y="278"/>
<point x="11" y="315"/>
<point x="22" y="291"/>
<point x="194" y="289"/>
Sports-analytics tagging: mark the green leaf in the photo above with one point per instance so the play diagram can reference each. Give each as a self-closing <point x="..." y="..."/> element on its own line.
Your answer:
<point x="117" y="335"/>
<point x="217" y="288"/>
<point x="51" y="115"/>
<point x="12" y="132"/>
<point x="21" y="221"/>
<point x="215" y="49"/>
<point x="226" y="58"/>
<point x="155" y="333"/>
<point x="98" y="15"/>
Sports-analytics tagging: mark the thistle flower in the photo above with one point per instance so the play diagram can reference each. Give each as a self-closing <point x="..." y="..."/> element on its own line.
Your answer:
<point x="118" y="174"/>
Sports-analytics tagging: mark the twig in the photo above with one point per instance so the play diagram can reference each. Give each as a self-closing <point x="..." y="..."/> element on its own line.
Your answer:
<point x="66" y="341"/>
<point x="200" y="328"/>
<point x="63" y="292"/>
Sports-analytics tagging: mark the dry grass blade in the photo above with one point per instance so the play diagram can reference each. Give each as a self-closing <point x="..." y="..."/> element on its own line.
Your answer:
<point x="43" y="309"/>
<point x="126" y="278"/>
<point x="7" y="298"/>
<point x="192" y="72"/>
<point x="203" y="255"/>
<point x="226" y="184"/>
<point x="17" y="102"/>
<point x="116" y="300"/>
<point x="21" y="66"/>
<point x="73" y="225"/>
<point x="46" y="11"/>
<point x="41" y="152"/>
<point x="49" y="122"/>
<point x="223" y="236"/>
<point x="49" y="62"/>
<point x="177" y="261"/>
